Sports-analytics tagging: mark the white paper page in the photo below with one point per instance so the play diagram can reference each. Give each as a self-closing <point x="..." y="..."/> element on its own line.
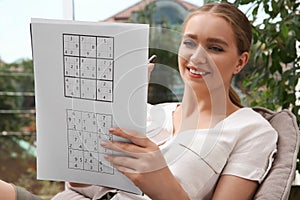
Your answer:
<point x="88" y="77"/>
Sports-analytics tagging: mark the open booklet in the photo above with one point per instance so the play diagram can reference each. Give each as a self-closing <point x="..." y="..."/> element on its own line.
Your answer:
<point x="89" y="76"/>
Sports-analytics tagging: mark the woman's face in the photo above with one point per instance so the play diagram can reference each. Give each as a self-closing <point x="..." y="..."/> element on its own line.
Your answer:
<point x="208" y="55"/>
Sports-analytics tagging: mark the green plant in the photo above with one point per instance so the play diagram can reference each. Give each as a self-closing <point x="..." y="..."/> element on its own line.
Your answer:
<point x="274" y="70"/>
<point x="17" y="129"/>
<point x="16" y="95"/>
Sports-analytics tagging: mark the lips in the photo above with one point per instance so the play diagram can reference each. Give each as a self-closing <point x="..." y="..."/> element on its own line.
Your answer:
<point x="197" y="72"/>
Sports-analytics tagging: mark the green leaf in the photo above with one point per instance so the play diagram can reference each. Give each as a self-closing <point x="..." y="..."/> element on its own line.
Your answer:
<point x="275" y="9"/>
<point x="255" y="10"/>
<point x="290" y="44"/>
<point x="243" y="2"/>
<point x="284" y="30"/>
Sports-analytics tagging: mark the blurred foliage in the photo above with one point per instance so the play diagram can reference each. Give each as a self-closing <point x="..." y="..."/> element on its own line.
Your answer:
<point x="274" y="67"/>
<point x="17" y="129"/>
<point x="16" y="81"/>
<point x="274" y="70"/>
<point x="14" y="160"/>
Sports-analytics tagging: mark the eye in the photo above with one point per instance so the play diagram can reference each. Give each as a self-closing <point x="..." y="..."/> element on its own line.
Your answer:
<point x="189" y="43"/>
<point x="215" y="48"/>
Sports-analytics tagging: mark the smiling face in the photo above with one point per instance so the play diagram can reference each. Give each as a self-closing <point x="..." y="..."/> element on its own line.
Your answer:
<point x="208" y="54"/>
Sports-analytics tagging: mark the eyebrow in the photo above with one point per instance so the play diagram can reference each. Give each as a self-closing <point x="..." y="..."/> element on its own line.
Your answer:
<point x="217" y="40"/>
<point x="214" y="40"/>
<point x="190" y="36"/>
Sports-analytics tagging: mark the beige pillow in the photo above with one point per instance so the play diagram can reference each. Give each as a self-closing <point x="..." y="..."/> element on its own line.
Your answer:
<point x="277" y="184"/>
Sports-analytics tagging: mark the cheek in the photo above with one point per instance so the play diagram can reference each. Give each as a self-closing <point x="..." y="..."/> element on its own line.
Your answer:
<point x="228" y="67"/>
<point x="184" y="54"/>
<point x="182" y="58"/>
<point x="181" y="64"/>
<point x="225" y="70"/>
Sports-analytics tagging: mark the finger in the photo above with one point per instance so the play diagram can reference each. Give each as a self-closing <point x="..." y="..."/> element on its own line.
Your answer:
<point x="123" y="161"/>
<point x="150" y="69"/>
<point x="126" y="171"/>
<point x="124" y="147"/>
<point x="132" y="164"/>
<point x="141" y="163"/>
<point x="138" y="166"/>
<point x="134" y="136"/>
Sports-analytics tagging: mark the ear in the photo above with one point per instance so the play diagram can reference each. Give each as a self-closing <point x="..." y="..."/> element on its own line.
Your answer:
<point x="243" y="60"/>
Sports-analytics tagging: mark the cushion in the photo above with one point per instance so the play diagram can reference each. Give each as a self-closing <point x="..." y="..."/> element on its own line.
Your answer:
<point x="277" y="184"/>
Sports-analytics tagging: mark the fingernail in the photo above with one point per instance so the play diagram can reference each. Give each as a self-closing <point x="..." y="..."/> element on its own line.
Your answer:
<point x="106" y="157"/>
<point x="112" y="129"/>
<point x="103" y="143"/>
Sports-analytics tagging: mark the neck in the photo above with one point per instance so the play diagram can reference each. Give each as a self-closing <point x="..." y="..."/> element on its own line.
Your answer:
<point x="216" y="102"/>
<point x="204" y="109"/>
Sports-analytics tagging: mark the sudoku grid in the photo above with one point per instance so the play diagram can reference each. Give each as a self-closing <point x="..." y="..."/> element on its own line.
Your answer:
<point x="85" y="132"/>
<point x="88" y="67"/>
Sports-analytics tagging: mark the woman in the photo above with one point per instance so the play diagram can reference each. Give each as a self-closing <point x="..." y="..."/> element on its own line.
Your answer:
<point x="208" y="146"/>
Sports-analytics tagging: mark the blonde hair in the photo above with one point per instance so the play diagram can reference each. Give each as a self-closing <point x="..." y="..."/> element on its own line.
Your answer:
<point x="241" y="27"/>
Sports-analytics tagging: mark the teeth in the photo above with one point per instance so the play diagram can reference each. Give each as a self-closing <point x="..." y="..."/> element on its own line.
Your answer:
<point x="198" y="72"/>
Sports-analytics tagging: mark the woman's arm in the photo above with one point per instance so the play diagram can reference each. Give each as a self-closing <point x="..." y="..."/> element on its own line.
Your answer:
<point x="11" y="192"/>
<point x="231" y="187"/>
<point x="7" y="191"/>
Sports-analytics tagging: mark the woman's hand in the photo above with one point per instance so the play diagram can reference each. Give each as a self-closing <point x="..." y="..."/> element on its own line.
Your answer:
<point x="144" y="164"/>
<point x="150" y="69"/>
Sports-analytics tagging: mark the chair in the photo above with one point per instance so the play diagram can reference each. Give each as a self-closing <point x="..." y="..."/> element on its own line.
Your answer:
<point x="277" y="184"/>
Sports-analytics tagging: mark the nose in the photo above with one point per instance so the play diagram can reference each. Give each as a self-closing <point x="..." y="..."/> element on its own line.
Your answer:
<point x="199" y="56"/>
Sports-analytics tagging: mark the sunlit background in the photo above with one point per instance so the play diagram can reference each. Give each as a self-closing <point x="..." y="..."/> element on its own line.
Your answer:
<point x="15" y="18"/>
